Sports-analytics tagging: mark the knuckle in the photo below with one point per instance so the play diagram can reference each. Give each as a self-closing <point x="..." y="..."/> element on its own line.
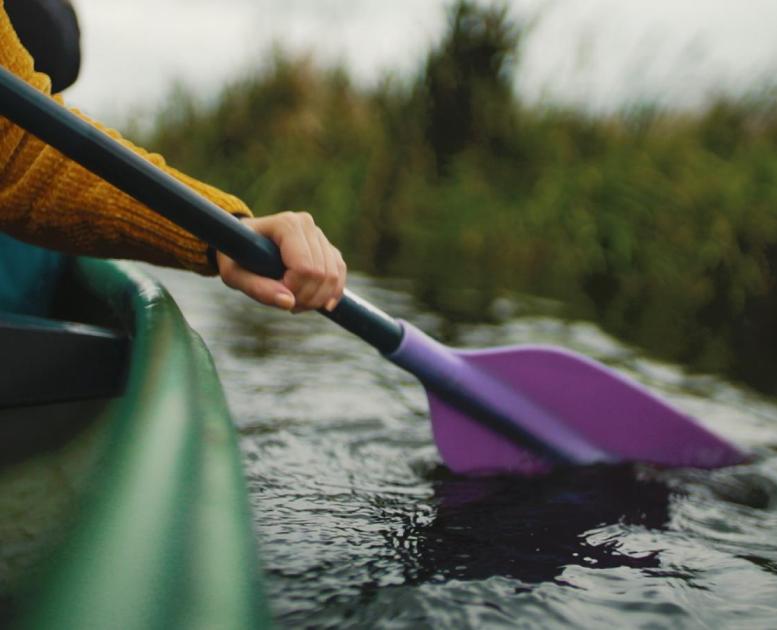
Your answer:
<point x="305" y="218"/>
<point x="288" y="218"/>
<point x="310" y="272"/>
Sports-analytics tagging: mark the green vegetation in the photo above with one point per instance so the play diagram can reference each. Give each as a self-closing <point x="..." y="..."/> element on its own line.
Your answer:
<point x="661" y="226"/>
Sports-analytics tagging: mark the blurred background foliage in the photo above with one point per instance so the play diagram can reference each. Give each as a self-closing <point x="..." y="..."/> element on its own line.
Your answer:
<point x="661" y="226"/>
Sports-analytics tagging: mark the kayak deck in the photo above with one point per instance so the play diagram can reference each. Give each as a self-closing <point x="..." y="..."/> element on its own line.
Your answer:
<point x="137" y="503"/>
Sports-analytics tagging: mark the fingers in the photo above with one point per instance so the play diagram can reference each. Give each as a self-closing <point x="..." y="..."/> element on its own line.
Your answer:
<point x="307" y="276"/>
<point x="318" y="289"/>
<point x="315" y="269"/>
<point x="342" y="272"/>
<point x="264" y="290"/>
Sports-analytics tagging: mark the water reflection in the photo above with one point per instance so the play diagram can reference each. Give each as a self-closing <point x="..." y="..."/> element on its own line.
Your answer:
<point x="531" y="530"/>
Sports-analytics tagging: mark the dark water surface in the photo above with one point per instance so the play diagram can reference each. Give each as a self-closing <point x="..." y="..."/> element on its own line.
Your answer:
<point x="360" y="525"/>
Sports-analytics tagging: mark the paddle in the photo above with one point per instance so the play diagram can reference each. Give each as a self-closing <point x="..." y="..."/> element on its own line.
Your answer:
<point x="519" y="410"/>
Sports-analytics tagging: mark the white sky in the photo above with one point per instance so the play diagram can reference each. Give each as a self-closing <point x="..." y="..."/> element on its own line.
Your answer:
<point x="600" y="54"/>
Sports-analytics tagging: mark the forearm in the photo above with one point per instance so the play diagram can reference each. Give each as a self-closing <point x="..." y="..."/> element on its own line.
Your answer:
<point x="51" y="201"/>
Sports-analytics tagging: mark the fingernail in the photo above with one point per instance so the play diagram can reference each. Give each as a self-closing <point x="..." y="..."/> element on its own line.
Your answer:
<point x="284" y="301"/>
<point x="330" y="305"/>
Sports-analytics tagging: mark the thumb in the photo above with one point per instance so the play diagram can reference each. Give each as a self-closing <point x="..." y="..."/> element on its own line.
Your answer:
<point x="270" y="292"/>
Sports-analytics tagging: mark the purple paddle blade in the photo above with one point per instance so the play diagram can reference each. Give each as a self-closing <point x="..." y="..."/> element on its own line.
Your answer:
<point x="574" y="409"/>
<point x="468" y="447"/>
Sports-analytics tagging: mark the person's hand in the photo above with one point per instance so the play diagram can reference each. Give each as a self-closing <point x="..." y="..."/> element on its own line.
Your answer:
<point x="315" y="270"/>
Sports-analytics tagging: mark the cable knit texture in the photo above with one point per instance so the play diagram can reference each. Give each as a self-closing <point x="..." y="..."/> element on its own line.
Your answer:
<point x="49" y="200"/>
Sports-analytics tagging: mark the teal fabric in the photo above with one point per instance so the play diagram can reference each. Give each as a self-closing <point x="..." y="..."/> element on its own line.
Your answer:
<point x="28" y="277"/>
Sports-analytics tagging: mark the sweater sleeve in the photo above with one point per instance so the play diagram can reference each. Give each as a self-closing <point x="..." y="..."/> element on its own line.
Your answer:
<point x="49" y="200"/>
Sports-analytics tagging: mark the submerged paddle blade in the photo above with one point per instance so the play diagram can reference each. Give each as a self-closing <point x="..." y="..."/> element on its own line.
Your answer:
<point x="571" y="409"/>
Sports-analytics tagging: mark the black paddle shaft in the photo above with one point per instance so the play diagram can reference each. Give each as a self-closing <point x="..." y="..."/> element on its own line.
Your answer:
<point x="96" y="151"/>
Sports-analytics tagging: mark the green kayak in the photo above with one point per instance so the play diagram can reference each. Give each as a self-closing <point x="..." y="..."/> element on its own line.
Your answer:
<point x="122" y="501"/>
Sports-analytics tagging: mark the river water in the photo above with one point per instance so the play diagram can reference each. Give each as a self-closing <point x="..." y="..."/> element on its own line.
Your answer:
<point x="360" y="524"/>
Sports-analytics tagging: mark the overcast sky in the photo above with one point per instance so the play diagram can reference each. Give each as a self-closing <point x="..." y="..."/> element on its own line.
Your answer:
<point x="600" y="54"/>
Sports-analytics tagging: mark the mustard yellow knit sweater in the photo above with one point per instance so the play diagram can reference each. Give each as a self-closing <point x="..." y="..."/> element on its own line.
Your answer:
<point x="48" y="200"/>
